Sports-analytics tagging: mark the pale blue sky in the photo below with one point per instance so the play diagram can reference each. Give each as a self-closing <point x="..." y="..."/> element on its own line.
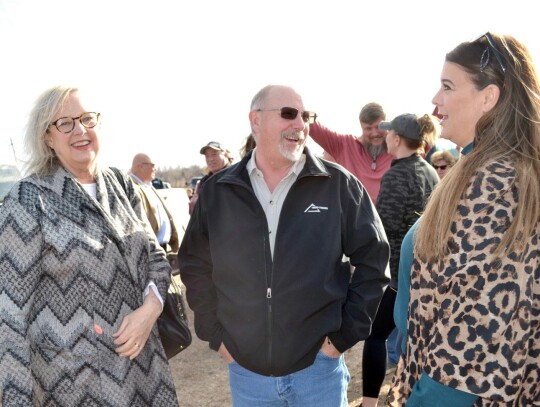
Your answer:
<point x="173" y="75"/>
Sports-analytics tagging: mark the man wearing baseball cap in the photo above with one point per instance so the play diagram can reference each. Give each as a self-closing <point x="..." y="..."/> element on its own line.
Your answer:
<point x="217" y="158"/>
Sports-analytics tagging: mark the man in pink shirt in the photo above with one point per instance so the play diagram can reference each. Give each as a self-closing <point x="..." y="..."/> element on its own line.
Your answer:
<point x="365" y="156"/>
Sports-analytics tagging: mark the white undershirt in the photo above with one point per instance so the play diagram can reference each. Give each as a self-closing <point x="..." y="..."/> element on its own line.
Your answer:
<point x="91" y="189"/>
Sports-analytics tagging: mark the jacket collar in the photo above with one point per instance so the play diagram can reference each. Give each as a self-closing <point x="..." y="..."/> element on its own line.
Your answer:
<point x="412" y="157"/>
<point x="61" y="180"/>
<point x="238" y="173"/>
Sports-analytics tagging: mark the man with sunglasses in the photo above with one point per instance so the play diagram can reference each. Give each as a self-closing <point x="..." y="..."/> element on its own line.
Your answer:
<point x="262" y="263"/>
<point x="365" y="156"/>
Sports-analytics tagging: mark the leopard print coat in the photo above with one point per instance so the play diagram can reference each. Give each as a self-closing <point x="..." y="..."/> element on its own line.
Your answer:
<point x="474" y="323"/>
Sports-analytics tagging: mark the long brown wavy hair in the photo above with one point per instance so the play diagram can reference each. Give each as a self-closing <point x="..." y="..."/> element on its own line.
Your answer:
<point x="510" y="130"/>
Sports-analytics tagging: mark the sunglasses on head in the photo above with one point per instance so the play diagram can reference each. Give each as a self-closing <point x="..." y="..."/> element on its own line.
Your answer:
<point x="290" y="113"/>
<point x="492" y="48"/>
<point x="440" y="167"/>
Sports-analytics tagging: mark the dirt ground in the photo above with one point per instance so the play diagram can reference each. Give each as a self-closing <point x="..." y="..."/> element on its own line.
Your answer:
<point x="201" y="376"/>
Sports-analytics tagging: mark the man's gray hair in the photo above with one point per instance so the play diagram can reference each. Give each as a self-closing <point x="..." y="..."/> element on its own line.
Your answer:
<point x="258" y="99"/>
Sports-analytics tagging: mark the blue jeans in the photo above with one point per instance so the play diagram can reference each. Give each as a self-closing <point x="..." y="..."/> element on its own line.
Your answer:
<point x="323" y="384"/>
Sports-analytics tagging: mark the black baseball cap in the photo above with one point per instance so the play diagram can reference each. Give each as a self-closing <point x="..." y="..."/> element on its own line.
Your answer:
<point x="406" y="125"/>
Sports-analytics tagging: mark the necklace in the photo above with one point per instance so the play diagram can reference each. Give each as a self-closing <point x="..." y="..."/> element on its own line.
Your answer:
<point x="374" y="162"/>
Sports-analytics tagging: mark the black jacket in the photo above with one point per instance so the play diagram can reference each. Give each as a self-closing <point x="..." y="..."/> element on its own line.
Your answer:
<point x="405" y="190"/>
<point x="273" y="314"/>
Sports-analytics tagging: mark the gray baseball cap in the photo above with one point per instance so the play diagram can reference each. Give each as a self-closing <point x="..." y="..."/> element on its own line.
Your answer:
<point x="406" y="125"/>
<point x="214" y="145"/>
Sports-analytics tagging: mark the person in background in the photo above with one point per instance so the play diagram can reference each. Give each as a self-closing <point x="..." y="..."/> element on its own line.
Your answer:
<point x="217" y="158"/>
<point x="249" y="145"/>
<point x="442" y="161"/>
<point x="143" y="171"/>
<point x="276" y="302"/>
<point x="327" y="156"/>
<point x="472" y="315"/>
<point x="405" y="189"/>
<point x="431" y="140"/>
<point x="365" y="156"/>
<point x="82" y="278"/>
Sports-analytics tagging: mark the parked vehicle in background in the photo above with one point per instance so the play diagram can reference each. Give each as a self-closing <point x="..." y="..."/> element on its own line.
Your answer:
<point x="158" y="183"/>
<point x="194" y="181"/>
<point x="9" y="175"/>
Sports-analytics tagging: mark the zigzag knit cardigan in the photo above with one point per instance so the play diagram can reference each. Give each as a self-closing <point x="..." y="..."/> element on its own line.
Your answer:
<point x="69" y="262"/>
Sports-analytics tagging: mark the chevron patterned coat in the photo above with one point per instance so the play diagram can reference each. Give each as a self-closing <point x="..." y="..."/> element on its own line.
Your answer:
<point x="67" y="262"/>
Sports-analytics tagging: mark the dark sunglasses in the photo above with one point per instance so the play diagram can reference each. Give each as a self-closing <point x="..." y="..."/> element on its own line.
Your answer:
<point x="492" y="48"/>
<point x="290" y="113"/>
<point x="440" y="167"/>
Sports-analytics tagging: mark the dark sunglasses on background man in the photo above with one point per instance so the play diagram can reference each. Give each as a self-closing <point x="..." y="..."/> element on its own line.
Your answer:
<point x="290" y="113"/>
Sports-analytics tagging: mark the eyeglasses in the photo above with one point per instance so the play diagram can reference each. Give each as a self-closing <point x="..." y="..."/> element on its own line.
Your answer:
<point x="485" y="58"/>
<point x="67" y="124"/>
<point x="440" y="167"/>
<point x="150" y="164"/>
<point x="290" y="113"/>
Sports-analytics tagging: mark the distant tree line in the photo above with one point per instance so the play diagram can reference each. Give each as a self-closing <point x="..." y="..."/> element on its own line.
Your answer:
<point x="179" y="177"/>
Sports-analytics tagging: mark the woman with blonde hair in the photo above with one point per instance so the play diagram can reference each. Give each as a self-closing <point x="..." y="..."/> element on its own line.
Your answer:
<point x="82" y="275"/>
<point x="473" y="316"/>
<point x="442" y="161"/>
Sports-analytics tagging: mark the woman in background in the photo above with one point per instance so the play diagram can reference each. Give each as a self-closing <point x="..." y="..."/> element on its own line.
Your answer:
<point x="405" y="188"/>
<point x="442" y="161"/>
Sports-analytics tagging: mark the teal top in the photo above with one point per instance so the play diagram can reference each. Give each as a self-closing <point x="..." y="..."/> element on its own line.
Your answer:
<point x="467" y="149"/>
<point x="426" y="392"/>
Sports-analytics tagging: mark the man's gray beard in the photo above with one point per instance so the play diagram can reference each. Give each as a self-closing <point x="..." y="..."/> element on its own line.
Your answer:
<point x="292" y="156"/>
<point x="375" y="151"/>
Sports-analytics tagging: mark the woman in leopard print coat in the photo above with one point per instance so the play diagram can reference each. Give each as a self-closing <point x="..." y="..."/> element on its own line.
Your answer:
<point x="474" y="309"/>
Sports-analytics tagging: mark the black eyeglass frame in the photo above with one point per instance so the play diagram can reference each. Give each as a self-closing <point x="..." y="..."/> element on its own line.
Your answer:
<point x="485" y="58"/>
<point x="55" y="123"/>
<point x="291" y="113"/>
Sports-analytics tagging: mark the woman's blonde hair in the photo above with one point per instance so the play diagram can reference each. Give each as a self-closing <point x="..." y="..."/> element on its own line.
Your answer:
<point x="510" y="130"/>
<point x="444" y="155"/>
<point x="41" y="159"/>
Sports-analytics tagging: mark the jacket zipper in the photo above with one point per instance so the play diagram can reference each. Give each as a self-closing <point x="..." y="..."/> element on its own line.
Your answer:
<point x="269" y="304"/>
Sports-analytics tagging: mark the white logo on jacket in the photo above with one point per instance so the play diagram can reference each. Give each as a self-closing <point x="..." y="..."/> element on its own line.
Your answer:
<point x="315" y="208"/>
